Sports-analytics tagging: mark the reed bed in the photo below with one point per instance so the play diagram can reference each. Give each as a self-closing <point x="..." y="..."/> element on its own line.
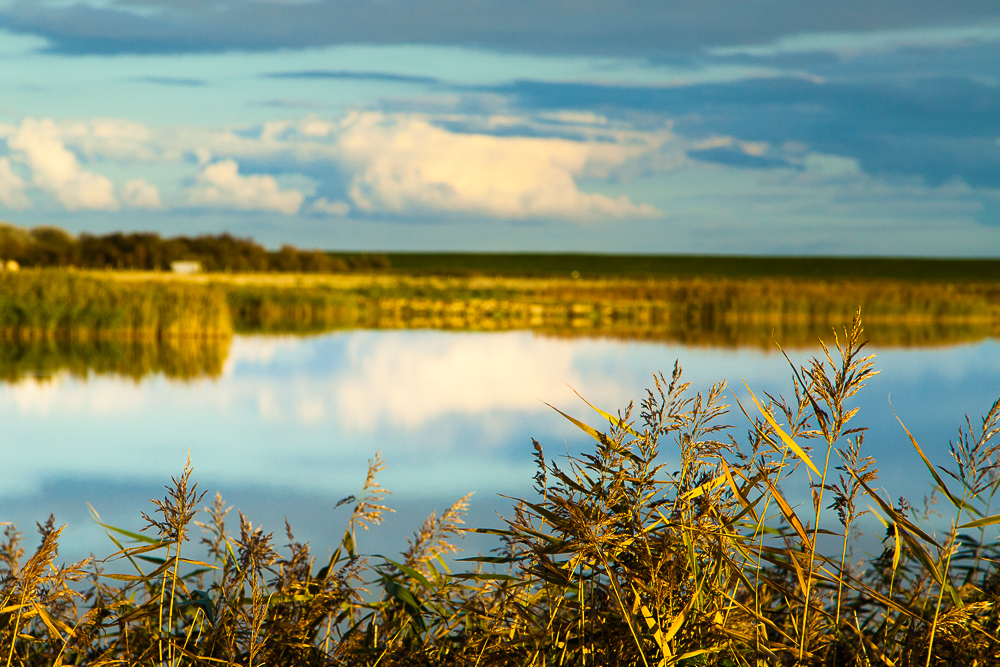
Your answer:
<point x="708" y="311"/>
<point x="134" y="324"/>
<point x="673" y="540"/>
<point x="274" y="309"/>
<point x="699" y="311"/>
<point x="70" y="305"/>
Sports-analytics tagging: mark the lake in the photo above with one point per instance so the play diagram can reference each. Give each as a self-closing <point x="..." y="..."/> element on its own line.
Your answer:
<point x="288" y="425"/>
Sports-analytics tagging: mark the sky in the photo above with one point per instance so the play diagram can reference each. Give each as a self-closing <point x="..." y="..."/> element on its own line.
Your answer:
<point x="649" y="126"/>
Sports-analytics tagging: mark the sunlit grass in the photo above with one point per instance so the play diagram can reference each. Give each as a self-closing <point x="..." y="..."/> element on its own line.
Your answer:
<point x="616" y="559"/>
<point x="699" y="311"/>
<point x="136" y="323"/>
<point x="72" y="305"/>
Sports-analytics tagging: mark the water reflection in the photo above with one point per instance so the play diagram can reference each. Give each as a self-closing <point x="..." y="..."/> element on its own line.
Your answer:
<point x="178" y="358"/>
<point x="448" y="367"/>
<point x="285" y="425"/>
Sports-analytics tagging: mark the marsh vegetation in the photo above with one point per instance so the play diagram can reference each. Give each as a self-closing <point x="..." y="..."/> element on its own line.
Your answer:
<point x="134" y="323"/>
<point x="75" y="306"/>
<point x="80" y="304"/>
<point x="674" y="539"/>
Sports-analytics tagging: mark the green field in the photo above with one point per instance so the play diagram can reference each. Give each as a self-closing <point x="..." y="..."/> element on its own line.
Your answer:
<point x="592" y="265"/>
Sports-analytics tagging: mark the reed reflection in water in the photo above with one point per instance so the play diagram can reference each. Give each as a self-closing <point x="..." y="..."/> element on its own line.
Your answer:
<point x="192" y="358"/>
<point x="176" y="359"/>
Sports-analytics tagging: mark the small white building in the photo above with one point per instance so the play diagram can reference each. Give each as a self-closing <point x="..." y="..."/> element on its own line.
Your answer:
<point x="185" y="267"/>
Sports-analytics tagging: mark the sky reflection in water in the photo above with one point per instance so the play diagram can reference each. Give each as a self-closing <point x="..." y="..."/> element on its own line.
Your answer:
<point x="289" y="426"/>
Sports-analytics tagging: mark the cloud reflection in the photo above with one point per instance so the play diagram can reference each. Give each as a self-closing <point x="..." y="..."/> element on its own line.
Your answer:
<point x="406" y="380"/>
<point x="452" y="412"/>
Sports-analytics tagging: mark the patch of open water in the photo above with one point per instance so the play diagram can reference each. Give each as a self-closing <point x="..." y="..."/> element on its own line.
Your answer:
<point x="289" y="426"/>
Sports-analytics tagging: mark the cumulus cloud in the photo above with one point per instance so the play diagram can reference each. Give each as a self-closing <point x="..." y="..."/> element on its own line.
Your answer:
<point x="221" y="185"/>
<point x="339" y="208"/>
<point x="405" y="163"/>
<point x="113" y="138"/>
<point x="397" y="164"/>
<point x="56" y="169"/>
<point x="12" y="188"/>
<point x="138" y="193"/>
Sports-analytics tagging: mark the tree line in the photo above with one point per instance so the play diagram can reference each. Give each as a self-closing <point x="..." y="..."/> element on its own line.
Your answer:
<point x="53" y="247"/>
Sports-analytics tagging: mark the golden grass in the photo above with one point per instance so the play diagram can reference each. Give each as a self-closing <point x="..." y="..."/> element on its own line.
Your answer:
<point x="616" y="559"/>
<point x="135" y="323"/>
<point x="718" y="312"/>
<point x="75" y="305"/>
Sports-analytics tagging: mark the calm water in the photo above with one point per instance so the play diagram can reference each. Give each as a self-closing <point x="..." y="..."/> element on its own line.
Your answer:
<point x="289" y="426"/>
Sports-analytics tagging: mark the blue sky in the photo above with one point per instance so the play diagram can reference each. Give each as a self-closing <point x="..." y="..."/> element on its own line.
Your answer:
<point x="720" y="126"/>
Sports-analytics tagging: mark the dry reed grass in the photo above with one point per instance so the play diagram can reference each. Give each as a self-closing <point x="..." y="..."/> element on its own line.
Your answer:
<point x="51" y="304"/>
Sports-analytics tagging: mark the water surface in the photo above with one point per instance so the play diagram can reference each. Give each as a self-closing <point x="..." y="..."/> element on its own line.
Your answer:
<point x="288" y="425"/>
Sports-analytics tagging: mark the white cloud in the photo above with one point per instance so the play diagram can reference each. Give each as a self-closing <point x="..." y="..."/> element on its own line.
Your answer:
<point x="112" y="138"/>
<point x="331" y="207"/>
<point x="140" y="194"/>
<point x="12" y="188"/>
<point x="39" y="144"/>
<point x="394" y="163"/>
<point x="223" y="186"/>
<point x="755" y="148"/>
<point x="405" y="163"/>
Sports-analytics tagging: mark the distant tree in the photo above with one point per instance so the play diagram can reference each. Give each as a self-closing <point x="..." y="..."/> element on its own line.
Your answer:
<point x="286" y="259"/>
<point x="317" y="261"/>
<point x="51" y="246"/>
<point x="14" y="242"/>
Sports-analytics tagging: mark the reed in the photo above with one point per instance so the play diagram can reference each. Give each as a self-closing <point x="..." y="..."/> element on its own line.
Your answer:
<point x="66" y="304"/>
<point x="271" y="309"/>
<point x="699" y="311"/>
<point x="670" y="542"/>
<point x="718" y="311"/>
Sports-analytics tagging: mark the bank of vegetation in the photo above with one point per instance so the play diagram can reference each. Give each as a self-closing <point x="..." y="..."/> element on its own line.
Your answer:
<point x="673" y="540"/>
<point x="150" y="305"/>
<point x="70" y="305"/>
<point x="697" y="311"/>
<point x="133" y="323"/>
